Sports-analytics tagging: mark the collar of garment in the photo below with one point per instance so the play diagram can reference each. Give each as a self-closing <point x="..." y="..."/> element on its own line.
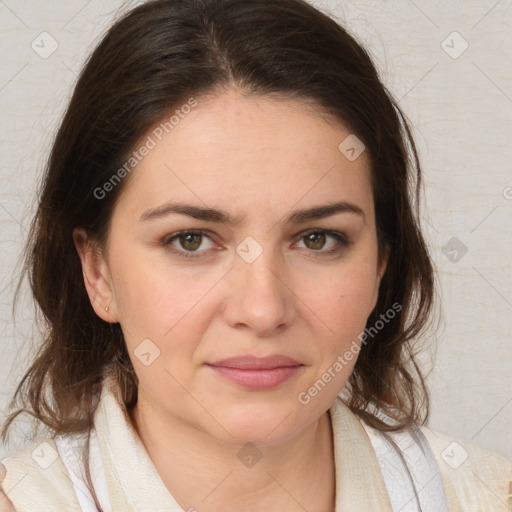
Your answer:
<point x="374" y="471"/>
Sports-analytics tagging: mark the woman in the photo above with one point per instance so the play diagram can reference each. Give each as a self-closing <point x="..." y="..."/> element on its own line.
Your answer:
<point x="228" y="256"/>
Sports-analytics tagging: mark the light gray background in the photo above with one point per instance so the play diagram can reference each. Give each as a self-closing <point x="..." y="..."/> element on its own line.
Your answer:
<point x="461" y="109"/>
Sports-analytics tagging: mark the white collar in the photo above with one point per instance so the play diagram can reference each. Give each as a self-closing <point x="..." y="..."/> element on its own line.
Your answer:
<point x="370" y="474"/>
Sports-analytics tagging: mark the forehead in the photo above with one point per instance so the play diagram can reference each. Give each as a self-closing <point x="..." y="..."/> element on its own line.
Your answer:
<point x="248" y="152"/>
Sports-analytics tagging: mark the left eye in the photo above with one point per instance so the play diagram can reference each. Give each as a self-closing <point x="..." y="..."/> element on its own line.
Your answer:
<point x="315" y="240"/>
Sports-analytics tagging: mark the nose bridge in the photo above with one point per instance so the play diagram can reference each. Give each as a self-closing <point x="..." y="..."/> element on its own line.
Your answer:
<point x="260" y="273"/>
<point x="260" y="298"/>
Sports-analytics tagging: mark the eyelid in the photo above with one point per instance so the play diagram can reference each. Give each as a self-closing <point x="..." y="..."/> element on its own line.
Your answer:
<point x="192" y="231"/>
<point x="167" y="240"/>
<point x="339" y="235"/>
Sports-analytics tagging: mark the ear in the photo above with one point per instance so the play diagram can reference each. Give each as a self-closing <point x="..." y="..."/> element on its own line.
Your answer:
<point x="97" y="279"/>
<point x="382" y="264"/>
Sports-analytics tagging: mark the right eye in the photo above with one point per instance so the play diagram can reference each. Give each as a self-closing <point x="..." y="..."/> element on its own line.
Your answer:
<point x="189" y="241"/>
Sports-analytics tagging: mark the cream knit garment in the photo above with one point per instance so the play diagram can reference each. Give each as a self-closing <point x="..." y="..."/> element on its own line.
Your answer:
<point x="374" y="472"/>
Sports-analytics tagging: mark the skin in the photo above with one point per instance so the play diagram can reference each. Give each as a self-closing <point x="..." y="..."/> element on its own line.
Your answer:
<point x="5" y="504"/>
<point x="260" y="159"/>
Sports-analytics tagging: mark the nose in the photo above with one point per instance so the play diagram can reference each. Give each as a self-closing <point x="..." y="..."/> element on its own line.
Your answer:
<point x="259" y="297"/>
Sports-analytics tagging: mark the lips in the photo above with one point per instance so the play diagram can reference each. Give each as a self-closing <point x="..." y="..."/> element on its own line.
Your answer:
<point x="258" y="363"/>
<point x="257" y="374"/>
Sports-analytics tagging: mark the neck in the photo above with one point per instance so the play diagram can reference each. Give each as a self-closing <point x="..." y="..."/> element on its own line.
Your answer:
<point x="204" y="473"/>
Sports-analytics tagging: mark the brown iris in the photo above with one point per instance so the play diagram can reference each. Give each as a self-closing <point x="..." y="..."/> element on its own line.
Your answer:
<point x="317" y="239"/>
<point x="190" y="241"/>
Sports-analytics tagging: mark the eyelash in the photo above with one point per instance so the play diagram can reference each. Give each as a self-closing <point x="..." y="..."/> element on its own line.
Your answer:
<point x="341" y="238"/>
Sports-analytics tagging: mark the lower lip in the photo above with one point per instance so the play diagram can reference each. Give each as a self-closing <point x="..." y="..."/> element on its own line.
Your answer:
<point x="257" y="379"/>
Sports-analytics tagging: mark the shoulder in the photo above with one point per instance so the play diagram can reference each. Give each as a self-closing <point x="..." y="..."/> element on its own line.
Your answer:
<point x="474" y="478"/>
<point x="36" y="479"/>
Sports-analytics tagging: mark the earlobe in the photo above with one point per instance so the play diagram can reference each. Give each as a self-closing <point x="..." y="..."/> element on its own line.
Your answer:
<point x="96" y="276"/>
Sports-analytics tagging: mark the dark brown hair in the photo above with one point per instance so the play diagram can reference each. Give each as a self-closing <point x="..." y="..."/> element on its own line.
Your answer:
<point x="151" y="61"/>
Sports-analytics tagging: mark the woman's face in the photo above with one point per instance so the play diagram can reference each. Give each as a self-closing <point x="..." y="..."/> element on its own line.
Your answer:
<point x="282" y="292"/>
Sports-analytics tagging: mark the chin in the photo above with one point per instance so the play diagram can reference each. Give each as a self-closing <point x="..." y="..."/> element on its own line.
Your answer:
<point x="258" y="424"/>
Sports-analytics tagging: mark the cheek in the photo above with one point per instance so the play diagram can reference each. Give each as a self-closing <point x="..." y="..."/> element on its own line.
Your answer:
<point x="142" y="293"/>
<point x="156" y="300"/>
<point x="345" y="303"/>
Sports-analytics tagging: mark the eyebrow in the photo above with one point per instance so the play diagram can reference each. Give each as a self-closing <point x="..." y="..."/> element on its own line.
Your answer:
<point x="220" y="216"/>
